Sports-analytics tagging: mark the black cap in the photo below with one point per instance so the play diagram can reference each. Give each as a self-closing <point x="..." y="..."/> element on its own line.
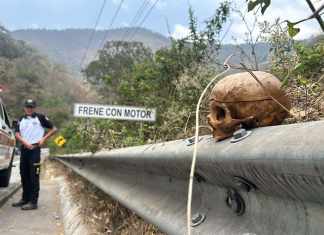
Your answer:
<point x="30" y="103"/>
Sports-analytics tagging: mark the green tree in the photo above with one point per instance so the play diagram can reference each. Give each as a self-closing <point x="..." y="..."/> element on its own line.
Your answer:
<point x="115" y="63"/>
<point x="26" y="74"/>
<point x="206" y="43"/>
<point x="171" y="80"/>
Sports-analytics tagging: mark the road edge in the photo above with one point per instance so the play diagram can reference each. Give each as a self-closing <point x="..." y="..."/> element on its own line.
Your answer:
<point x="10" y="191"/>
<point x="70" y="211"/>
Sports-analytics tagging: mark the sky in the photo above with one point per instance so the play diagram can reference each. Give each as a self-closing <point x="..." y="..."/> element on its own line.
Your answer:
<point x="168" y="17"/>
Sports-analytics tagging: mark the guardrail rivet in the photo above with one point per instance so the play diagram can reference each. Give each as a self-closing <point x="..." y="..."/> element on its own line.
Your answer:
<point x="235" y="201"/>
<point x="81" y="163"/>
<point x="240" y="135"/>
<point x="190" y="141"/>
<point x="197" y="219"/>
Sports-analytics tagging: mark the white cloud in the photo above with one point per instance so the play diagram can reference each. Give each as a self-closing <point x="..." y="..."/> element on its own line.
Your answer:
<point x="125" y="24"/>
<point x="308" y="29"/>
<point x="295" y="12"/>
<point x="34" y="26"/>
<point x="180" y="31"/>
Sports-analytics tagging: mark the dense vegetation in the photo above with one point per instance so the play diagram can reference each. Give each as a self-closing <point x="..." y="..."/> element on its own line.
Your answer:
<point x="68" y="46"/>
<point x="26" y="74"/>
<point x="171" y="80"/>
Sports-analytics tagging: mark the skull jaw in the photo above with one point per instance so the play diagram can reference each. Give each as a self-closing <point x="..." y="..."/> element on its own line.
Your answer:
<point x="219" y="134"/>
<point x="225" y="128"/>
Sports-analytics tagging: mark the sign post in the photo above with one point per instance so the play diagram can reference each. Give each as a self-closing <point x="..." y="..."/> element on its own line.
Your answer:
<point x="114" y="112"/>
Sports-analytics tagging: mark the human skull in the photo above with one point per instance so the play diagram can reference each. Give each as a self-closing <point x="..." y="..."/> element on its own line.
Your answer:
<point x="239" y="99"/>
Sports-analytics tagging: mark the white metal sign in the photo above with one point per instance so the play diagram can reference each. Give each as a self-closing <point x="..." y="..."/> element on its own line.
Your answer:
<point x="114" y="112"/>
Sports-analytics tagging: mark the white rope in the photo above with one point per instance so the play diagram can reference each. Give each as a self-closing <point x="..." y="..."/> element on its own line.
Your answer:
<point x="194" y="157"/>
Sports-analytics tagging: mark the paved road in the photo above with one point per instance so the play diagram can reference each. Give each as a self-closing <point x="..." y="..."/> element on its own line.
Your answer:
<point x="44" y="221"/>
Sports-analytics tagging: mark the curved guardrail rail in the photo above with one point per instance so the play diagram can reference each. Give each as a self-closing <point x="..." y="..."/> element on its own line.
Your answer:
<point x="269" y="183"/>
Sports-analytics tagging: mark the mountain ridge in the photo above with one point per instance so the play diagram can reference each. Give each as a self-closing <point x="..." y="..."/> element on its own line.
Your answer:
<point x="68" y="46"/>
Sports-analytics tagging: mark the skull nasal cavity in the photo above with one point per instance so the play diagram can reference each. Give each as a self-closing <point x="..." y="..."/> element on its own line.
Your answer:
<point x="220" y="113"/>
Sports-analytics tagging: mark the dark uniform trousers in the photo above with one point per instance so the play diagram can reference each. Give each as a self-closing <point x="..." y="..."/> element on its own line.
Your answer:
<point x="29" y="171"/>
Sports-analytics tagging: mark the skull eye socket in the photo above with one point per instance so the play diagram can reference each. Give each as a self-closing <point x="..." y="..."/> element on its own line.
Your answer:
<point x="220" y="113"/>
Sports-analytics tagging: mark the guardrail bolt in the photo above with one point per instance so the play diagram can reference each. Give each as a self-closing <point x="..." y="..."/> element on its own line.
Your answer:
<point x="197" y="219"/>
<point x="240" y="135"/>
<point x="235" y="201"/>
<point x="190" y="141"/>
<point x="81" y="163"/>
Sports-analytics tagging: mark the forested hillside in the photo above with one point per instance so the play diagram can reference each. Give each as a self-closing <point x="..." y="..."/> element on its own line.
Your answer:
<point x="171" y="80"/>
<point x="68" y="46"/>
<point x="24" y="73"/>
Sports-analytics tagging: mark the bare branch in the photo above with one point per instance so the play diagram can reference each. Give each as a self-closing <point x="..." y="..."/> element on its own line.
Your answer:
<point x="316" y="13"/>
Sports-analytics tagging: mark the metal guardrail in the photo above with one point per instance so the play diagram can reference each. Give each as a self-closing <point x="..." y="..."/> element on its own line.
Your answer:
<point x="271" y="182"/>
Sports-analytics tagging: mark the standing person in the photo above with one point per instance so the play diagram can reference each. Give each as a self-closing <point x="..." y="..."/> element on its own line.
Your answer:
<point x="30" y="132"/>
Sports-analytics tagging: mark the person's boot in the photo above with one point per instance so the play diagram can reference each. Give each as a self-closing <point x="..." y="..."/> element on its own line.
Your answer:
<point x="19" y="203"/>
<point x="29" y="206"/>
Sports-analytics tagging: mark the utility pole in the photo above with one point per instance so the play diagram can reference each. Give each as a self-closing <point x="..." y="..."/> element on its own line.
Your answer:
<point x="317" y="15"/>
